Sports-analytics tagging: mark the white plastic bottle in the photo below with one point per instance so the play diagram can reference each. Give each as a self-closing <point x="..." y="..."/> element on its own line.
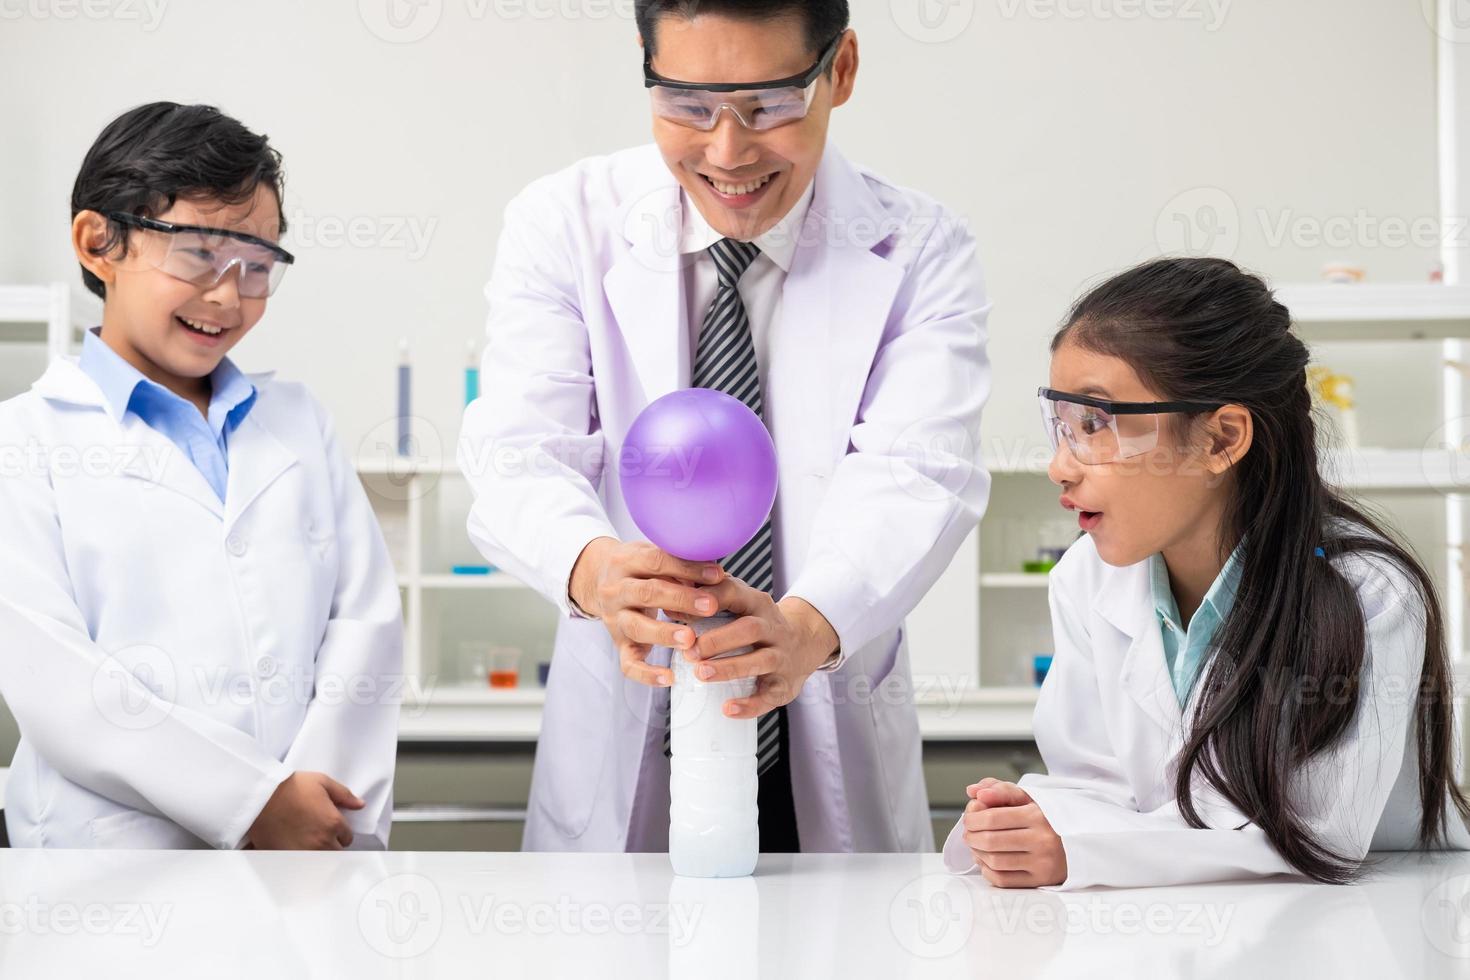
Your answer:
<point x="713" y="827"/>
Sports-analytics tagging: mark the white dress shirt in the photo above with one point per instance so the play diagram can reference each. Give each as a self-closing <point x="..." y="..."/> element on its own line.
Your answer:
<point x="760" y="287"/>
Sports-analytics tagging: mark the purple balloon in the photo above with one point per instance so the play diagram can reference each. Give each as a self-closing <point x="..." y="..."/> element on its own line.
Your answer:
<point x="698" y="472"/>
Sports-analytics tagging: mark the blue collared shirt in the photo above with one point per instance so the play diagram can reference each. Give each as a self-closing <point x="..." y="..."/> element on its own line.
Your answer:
<point x="204" y="441"/>
<point x="1185" y="651"/>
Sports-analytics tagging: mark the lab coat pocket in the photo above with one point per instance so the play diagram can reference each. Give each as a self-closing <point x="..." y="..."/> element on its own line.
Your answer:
<point x="319" y="540"/>
<point x="868" y="681"/>
<point x="897" y="751"/>
<point x="878" y="660"/>
<point x="134" y="829"/>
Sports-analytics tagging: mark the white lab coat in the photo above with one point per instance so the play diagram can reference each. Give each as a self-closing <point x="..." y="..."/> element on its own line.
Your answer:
<point x="170" y="659"/>
<point x="876" y="377"/>
<point x="1110" y="729"/>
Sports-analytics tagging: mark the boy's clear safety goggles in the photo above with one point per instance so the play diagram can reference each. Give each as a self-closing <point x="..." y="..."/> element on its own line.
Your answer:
<point x="756" y="105"/>
<point x="1100" y="431"/>
<point x="204" y="256"/>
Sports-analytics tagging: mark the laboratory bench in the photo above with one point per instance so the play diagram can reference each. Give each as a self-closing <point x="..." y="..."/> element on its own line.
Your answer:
<point x="855" y="916"/>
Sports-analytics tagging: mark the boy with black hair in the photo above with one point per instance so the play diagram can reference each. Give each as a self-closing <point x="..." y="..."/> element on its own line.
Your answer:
<point x="203" y="630"/>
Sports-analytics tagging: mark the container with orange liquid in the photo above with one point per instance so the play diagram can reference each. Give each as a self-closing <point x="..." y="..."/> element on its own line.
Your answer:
<point x="505" y="668"/>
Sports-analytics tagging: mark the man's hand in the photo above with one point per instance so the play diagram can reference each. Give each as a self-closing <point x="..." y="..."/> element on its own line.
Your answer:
<point x="625" y="585"/>
<point x="791" y="639"/>
<point x="1010" y="837"/>
<point x="303" y="814"/>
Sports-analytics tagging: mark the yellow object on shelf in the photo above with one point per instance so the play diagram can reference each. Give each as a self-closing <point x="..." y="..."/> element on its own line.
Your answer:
<point x="1336" y="390"/>
<point x="1332" y="388"/>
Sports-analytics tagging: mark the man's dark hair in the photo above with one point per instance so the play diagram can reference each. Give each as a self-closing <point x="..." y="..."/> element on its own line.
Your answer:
<point x="822" y="19"/>
<point x="151" y="156"/>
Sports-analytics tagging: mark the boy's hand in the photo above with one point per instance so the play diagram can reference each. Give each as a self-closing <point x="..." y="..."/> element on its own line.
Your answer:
<point x="303" y="814"/>
<point x="1010" y="837"/>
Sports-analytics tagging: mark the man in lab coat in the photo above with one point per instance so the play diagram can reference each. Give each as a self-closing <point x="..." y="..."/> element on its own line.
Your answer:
<point x="741" y="252"/>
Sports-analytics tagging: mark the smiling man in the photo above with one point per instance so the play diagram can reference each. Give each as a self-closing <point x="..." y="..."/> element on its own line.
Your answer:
<point x="740" y="252"/>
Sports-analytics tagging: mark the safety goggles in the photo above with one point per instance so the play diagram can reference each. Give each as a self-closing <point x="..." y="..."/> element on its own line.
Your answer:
<point x="757" y="105"/>
<point x="1100" y="431"/>
<point x="204" y="256"/>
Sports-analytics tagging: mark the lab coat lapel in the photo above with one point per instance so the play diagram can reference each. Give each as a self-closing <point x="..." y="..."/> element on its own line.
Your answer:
<point x="835" y="302"/>
<point x="178" y="472"/>
<point x="257" y="458"/>
<point x="1126" y="601"/>
<point x="148" y="455"/>
<point x="645" y="290"/>
<point x="838" y="296"/>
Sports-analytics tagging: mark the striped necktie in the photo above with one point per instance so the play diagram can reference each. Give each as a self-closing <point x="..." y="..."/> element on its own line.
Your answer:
<point x="726" y="362"/>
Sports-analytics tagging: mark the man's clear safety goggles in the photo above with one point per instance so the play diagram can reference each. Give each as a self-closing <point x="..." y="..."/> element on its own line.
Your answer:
<point x="756" y="105"/>
<point x="204" y="256"/>
<point x="1100" y="431"/>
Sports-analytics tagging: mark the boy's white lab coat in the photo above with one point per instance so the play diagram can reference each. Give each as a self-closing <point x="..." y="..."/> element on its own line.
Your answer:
<point x="876" y="374"/>
<point x="170" y="659"/>
<point x="1110" y="728"/>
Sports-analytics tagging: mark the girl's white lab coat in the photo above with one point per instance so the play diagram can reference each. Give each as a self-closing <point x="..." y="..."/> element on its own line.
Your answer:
<point x="1110" y="729"/>
<point x="171" y="659"/>
<point x="875" y="378"/>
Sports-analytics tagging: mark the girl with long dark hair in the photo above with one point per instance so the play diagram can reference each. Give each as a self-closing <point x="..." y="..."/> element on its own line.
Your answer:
<point x="1250" y="675"/>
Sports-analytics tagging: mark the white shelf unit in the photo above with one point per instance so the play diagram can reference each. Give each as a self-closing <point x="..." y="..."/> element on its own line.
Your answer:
<point x="1015" y="619"/>
<point x="460" y="714"/>
<point x="422" y="506"/>
<point x="1013" y="580"/>
<point x="37" y="324"/>
<point x="1390" y="311"/>
<point x="1435" y="461"/>
<point x="414" y="502"/>
<point x="36" y="314"/>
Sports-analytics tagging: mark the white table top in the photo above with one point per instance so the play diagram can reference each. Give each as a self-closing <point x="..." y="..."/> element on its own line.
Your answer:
<point x="279" y="916"/>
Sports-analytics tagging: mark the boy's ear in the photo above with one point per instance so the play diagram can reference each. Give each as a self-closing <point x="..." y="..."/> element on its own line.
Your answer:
<point x="89" y="233"/>
<point x="1229" y="431"/>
